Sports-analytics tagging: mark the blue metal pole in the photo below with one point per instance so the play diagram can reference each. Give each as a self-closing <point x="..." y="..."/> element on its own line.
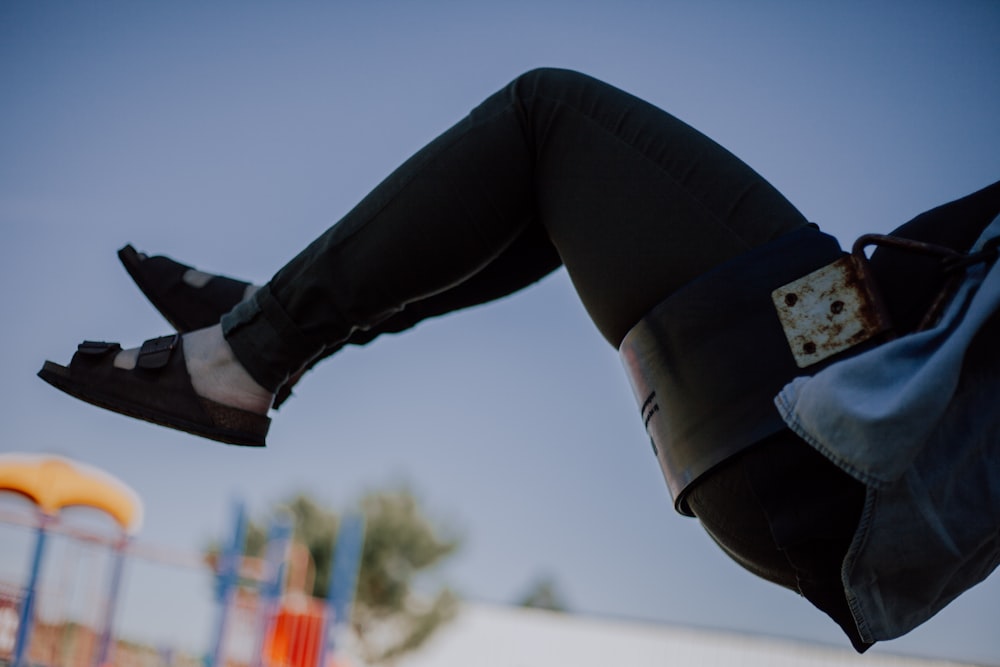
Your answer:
<point x="343" y="580"/>
<point x="104" y="653"/>
<point x="228" y="578"/>
<point x="26" y="621"/>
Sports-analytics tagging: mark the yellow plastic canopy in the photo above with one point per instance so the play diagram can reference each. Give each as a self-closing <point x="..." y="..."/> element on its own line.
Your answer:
<point x="52" y="483"/>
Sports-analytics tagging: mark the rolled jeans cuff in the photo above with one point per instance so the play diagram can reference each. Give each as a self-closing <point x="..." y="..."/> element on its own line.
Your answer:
<point x="266" y="341"/>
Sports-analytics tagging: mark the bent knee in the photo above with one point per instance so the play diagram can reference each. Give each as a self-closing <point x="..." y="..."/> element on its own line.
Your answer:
<point x="552" y="81"/>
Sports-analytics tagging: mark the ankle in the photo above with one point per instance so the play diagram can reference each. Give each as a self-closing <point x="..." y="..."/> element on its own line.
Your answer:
<point x="216" y="374"/>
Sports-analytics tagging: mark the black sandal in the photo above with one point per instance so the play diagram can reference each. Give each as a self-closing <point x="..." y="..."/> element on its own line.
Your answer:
<point x="157" y="390"/>
<point x="185" y="306"/>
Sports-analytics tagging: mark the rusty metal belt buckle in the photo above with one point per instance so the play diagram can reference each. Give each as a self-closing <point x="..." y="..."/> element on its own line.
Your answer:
<point x="839" y="306"/>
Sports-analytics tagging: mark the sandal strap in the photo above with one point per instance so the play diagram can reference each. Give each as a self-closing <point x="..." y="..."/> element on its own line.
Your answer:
<point x="155" y="352"/>
<point x="97" y="347"/>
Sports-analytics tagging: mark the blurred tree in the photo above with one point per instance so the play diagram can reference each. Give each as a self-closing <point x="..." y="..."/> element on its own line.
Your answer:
<point x="543" y="594"/>
<point x="401" y="542"/>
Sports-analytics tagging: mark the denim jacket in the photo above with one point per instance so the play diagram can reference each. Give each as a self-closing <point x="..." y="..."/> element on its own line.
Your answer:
<point x="918" y="421"/>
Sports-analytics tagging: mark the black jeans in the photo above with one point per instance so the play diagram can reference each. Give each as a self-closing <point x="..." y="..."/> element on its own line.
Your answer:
<point x="554" y="169"/>
<point x="560" y="169"/>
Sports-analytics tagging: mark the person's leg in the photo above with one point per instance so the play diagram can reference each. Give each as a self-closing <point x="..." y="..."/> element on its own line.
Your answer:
<point x="529" y="258"/>
<point x="635" y="202"/>
<point x="191" y="299"/>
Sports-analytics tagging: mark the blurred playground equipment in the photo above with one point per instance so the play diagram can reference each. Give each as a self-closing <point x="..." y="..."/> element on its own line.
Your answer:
<point x="64" y="610"/>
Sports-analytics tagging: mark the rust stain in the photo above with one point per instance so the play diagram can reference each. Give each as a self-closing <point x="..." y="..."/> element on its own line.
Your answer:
<point x="829" y="310"/>
<point x="838" y="306"/>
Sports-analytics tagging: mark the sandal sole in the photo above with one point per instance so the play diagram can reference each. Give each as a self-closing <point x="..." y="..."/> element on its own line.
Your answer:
<point x="60" y="377"/>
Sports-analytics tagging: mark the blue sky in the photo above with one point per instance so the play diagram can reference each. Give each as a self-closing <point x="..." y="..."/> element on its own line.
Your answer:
<point x="230" y="134"/>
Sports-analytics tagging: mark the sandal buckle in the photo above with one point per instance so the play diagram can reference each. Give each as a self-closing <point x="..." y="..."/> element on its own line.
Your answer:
<point x="155" y="353"/>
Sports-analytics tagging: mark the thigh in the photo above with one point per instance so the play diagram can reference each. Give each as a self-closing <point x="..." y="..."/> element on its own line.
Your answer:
<point x="636" y="201"/>
<point x="787" y="514"/>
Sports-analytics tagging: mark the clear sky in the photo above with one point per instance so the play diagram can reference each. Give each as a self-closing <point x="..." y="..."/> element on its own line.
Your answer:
<point x="230" y="134"/>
